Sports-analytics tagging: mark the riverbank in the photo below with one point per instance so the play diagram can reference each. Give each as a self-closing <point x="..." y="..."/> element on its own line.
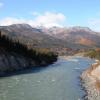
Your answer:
<point x="91" y="82"/>
<point x="55" y="82"/>
<point x="16" y="56"/>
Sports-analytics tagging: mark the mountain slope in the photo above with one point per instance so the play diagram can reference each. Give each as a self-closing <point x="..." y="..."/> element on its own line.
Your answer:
<point x="31" y="36"/>
<point x="15" y="56"/>
<point x="77" y="35"/>
<point x="55" y="37"/>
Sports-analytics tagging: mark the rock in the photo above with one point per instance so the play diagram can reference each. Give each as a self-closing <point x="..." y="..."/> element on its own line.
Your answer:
<point x="13" y="62"/>
<point x="91" y="82"/>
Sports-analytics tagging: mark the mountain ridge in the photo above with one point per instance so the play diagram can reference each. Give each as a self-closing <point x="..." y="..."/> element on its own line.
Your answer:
<point x="53" y="37"/>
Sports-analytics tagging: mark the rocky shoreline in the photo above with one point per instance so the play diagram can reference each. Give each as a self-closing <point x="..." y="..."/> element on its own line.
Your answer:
<point x="13" y="63"/>
<point x="90" y="79"/>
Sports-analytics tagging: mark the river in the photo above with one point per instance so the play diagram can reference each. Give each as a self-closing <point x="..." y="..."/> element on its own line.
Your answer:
<point x="59" y="81"/>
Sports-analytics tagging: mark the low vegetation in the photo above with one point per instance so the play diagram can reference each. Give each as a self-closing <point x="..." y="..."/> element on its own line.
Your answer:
<point x="94" y="53"/>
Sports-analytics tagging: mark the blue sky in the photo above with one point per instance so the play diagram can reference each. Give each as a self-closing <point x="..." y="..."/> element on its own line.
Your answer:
<point x="63" y="12"/>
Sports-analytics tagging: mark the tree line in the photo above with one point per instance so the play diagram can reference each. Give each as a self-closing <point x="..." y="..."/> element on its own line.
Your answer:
<point x="11" y="46"/>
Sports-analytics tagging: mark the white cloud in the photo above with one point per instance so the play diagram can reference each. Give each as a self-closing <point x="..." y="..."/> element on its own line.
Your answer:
<point x="50" y="19"/>
<point x="10" y="20"/>
<point x="1" y="4"/>
<point x="47" y="19"/>
<point x="94" y="21"/>
<point x="35" y="13"/>
<point x="94" y="24"/>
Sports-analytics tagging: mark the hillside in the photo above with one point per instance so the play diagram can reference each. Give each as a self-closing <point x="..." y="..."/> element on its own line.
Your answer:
<point x="16" y="56"/>
<point x="60" y="40"/>
<point x="76" y="35"/>
<point x="30" y="36"/>
<point x="95" y="53"/>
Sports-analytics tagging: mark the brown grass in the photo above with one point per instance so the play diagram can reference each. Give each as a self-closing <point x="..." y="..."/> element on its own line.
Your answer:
<point x="85" y="41"/>
<point x="97" y="84"/>
<point x="93" y="67"/>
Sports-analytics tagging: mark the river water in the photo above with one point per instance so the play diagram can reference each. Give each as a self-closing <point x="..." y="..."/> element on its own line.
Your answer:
<point x="59" y="81"/>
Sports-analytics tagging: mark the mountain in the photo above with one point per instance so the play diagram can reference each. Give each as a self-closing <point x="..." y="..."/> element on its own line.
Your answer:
<point x="15" y="56"/>
<point x="77" y="35"/>
<point x="33" y="37"/>
<point x="55" y="37"/>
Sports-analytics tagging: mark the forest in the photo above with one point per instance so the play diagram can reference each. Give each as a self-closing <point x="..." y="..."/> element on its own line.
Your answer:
<point x="15" y="47"/>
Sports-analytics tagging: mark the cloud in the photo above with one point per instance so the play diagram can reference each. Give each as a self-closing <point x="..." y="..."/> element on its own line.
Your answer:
<point x="50" y="19"/>
<point x="94" y="23"/>
<point x="11" y="20"/>
<point x="47" y="19"/>
<point x="1" y="4"/>
<point x="35" y="13"/>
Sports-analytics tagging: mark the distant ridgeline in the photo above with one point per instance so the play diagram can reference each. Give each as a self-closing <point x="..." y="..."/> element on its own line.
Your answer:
<point x="17" y="56"/>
